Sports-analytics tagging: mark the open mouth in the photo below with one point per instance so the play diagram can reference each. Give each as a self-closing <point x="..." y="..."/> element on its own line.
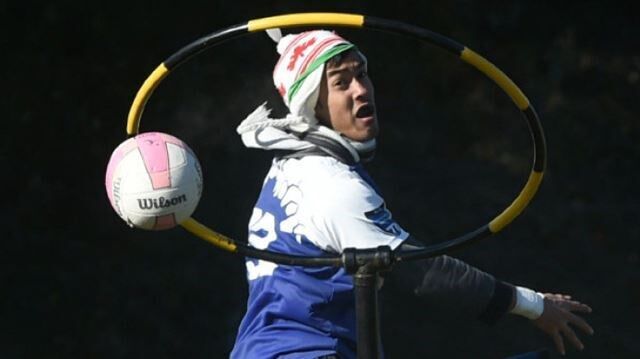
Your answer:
<point x="365" y="111"/>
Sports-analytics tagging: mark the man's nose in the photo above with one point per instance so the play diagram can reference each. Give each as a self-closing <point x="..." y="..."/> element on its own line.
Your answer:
<point x="361" y="91"/>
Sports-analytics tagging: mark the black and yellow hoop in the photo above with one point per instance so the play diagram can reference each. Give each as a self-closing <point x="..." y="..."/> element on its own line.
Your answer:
<point x="357" y="21"/>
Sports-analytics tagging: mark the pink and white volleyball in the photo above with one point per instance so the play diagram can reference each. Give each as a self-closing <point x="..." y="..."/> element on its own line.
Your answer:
<point x="154" y="181"/>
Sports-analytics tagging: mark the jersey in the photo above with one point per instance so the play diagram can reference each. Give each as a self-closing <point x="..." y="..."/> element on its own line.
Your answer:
<point x="310" y="206"/>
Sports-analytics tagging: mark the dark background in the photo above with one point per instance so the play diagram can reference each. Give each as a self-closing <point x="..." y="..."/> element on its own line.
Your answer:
<point x="77" y="282"/>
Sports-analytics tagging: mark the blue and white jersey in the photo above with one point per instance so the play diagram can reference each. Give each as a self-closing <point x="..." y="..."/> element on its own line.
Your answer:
<point x="309" y="207"/>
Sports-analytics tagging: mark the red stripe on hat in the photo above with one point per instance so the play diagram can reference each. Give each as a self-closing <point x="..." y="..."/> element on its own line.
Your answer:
<point x="288" y="48"/>
<point x="323" y="45"/>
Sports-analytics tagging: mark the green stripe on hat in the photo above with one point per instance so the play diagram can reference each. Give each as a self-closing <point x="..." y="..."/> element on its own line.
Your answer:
<point x="315" y="64"/>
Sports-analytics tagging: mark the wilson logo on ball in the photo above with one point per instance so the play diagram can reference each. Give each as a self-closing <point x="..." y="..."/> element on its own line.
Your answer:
<point x="149" y="203"/>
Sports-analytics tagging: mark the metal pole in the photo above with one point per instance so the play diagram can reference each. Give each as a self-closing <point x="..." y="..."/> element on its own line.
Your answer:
<point x="368" y="325"/>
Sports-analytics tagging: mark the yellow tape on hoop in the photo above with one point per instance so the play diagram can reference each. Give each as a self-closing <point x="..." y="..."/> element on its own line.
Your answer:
<point x="519" y="204"/>
<point x="208" y="235"/>
<point x="317" y="18"/>
<point x="150" y="84"/>
<point x="497" y="76"/>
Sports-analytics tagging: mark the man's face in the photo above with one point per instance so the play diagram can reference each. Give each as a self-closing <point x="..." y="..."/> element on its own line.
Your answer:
<point x="346" y="101"/>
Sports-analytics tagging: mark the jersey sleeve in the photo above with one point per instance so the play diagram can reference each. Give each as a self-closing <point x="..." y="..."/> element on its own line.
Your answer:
<point x="350" y="214"/>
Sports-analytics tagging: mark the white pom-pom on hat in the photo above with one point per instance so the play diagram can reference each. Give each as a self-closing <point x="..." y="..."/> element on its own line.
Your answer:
<point x="285" y="41"/>
<point x="275" y="34"/>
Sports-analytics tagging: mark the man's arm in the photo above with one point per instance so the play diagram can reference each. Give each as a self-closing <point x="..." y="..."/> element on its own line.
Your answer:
<point x="455" y="287"/>
<point x="448" y="283"/>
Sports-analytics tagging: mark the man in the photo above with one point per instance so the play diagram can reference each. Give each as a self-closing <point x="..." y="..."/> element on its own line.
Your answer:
<point x="318" y="199"/>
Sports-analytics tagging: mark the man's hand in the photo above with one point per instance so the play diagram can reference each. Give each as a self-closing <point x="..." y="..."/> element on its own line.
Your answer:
<point x="557" y="320"/>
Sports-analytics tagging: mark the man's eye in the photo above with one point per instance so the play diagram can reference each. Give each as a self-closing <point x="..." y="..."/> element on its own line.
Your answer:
<point x="339" y="83"/>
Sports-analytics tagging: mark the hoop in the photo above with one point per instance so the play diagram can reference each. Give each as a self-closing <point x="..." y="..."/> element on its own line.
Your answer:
<point x="358" y="21"/>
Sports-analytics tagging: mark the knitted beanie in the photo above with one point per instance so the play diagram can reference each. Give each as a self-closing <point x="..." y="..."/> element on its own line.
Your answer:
<point x="299" y="71"/>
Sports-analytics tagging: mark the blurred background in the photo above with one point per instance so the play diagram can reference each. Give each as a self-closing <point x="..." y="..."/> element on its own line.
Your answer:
<point x="76" y="282"/>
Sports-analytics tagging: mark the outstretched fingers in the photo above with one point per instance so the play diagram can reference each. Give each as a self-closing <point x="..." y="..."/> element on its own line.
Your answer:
<point x="580" y="323"/>
<point x="579" y="307"/>
<point x="559" y="321"/>
<point x="568" y="333"/>
<point x="557" y="339"/>
<point x="575" y="306"/>
<point x="565" y="302"/>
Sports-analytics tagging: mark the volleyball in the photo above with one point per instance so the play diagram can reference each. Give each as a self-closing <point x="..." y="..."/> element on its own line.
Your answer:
<point x="153" y="181"/>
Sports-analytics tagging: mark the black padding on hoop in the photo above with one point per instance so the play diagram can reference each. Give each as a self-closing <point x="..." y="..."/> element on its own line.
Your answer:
<point x="429" y="36"/>
<point x="203" y="43"/>
<point x="538" y="137"/>
<point x="446" y="247"/>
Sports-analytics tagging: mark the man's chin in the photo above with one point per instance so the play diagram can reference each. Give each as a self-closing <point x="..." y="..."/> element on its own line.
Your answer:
<point x="368" y="135"/>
